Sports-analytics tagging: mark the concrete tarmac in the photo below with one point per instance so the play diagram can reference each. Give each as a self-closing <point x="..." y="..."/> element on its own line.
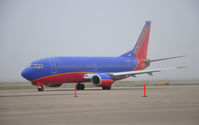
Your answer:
<point x="178" y="105"/>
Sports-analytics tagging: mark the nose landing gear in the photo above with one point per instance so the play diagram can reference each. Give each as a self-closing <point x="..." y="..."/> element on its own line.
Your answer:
<point x="40" y="88"/>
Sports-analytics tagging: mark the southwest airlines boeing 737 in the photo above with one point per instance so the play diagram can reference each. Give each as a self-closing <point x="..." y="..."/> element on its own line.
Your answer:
<point x="101" y="71"/>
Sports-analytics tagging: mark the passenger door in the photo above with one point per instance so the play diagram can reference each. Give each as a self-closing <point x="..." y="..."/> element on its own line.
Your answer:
<point x="53" y="66"/>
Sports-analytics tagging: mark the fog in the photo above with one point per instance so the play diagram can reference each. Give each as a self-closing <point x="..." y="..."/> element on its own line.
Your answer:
<point x="34" y="29"/>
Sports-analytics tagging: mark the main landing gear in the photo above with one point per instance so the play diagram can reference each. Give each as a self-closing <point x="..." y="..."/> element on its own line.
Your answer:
<point x="40" y="88"/>
<point x="80" y="86"/>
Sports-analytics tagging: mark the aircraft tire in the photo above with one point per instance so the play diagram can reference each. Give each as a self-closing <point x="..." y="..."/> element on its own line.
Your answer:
<point x="80" y="86"/>
<point x="40" y="88"/>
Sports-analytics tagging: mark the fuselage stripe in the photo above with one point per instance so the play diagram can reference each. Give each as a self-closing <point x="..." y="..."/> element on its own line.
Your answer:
<point x="63" y="74"/>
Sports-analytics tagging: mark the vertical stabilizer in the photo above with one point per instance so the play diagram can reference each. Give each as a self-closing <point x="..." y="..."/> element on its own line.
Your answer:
<point x="141" y="46"/>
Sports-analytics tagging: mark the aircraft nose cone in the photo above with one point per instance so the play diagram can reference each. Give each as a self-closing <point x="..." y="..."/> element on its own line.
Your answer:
<point x="26" y="73"/>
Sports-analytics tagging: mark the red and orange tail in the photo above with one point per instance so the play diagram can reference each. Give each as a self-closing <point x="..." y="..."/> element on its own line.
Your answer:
<point x="141" y="46"/>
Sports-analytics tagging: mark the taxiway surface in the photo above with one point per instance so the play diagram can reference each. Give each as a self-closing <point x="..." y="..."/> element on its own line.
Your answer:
<point x="119" y="106"/>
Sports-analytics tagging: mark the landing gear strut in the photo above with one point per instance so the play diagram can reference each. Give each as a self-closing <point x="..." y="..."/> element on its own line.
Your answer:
<point x="80" y="86"/>
<point x="40" y="88"/>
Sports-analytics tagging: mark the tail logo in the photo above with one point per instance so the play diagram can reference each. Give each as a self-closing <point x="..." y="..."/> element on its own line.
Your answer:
<point x="141" y="38"/>
<point x="141" y="46"/>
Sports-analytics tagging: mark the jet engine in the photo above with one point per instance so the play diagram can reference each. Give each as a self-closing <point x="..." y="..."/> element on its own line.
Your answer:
<point x="103" y="80"/>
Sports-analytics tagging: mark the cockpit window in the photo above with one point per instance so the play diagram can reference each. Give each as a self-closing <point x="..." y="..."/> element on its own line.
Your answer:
<point x="36" y="65"/>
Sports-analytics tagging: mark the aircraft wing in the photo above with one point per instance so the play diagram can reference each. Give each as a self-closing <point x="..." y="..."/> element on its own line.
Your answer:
<point x="117" y="75"/>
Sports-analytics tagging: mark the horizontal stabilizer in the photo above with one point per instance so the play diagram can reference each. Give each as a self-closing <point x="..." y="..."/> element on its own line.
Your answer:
<point x="150" y="72"/>
<point x="155" y="60"/>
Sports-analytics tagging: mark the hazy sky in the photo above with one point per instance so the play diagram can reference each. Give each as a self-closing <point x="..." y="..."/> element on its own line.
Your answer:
<point x="33" y="29"/>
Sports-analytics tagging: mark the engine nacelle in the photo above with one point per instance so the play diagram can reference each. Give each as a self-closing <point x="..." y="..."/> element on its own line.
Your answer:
<point x="102" y="80"/>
